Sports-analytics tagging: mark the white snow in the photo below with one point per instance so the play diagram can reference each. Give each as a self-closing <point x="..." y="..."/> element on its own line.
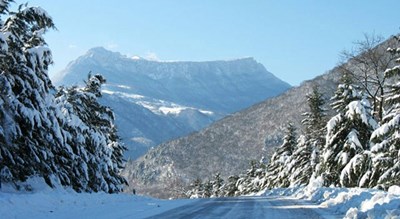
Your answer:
<point x="59" y="203"/>
<point x="124" y="86"/>
<point x="349" y="202"/>
<point x="332" y="124"/>
<point x="206" y="112"/>
<point x="136" y="57"/>
<point x="157" y="106"/>
<point x="45" y="202"/>
<point x="122" y="94"/>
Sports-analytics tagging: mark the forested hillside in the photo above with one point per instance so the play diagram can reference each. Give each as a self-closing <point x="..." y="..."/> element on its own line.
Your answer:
<point x="227" y="146"/>
<point x="356" y="147"/>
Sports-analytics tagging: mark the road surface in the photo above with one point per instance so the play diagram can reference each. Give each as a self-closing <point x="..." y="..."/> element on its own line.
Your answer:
<point x="248" y="207"/>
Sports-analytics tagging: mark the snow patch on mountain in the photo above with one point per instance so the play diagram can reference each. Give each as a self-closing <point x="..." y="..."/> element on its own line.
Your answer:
<point x="160" y="107"/>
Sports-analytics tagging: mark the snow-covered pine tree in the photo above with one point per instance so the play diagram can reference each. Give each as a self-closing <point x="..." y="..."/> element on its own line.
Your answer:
<point x="195" y="189"/>
<point x="217" y="183"/>
<point x="303" y="162"/>
<point x="345" y="93"/>
<point x="36" y="138"/>
<point x="277" y="174"/>
<point x="299" y="164"/>
<point x="385" y="169"/>
<point x="95" y="137"/>
<point x="230" y="187"/>
<point x="253" y="181"/>
<point x="314" y="121"/>
<point x="207" y="192"/>
<point x="30" y="135"/>
<point x="347" y="137"/>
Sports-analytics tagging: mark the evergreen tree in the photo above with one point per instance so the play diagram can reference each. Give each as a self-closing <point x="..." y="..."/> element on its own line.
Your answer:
<point x="277" y="174"/>
<point x="207" y="189"/>
<point x="230" y="187"/>
<point x="217" y="183"/>
<point x="303" y="163"/>
<point x="345" y="93"/>
<point x="95" y="137"/>
<point x="196" y="189"/>
<point x="299" y="164"/>
<point x="253" y="181"/>
<point x="314" y="120"/>
<point x="30" y="133"/>
<point x="385" y="169"/>
<point x="347" y="136"/>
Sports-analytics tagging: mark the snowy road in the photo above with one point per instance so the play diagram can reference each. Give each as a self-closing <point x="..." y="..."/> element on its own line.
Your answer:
<point x="248" y="207"/>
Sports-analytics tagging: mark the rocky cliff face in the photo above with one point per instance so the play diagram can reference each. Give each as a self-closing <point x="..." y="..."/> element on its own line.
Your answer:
<point x="159" y="101"/>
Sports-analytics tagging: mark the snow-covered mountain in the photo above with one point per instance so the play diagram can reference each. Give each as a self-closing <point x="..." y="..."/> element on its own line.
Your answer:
<point x="158" y="101"/>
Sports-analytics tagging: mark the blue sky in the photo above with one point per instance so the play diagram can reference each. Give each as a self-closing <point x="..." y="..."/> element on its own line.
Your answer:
<point x="295" y="39"/>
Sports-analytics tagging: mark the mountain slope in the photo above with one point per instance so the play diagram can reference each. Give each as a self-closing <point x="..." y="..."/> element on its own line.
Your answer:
<point x="227" y="146"/>
<point x="159" y="101"/>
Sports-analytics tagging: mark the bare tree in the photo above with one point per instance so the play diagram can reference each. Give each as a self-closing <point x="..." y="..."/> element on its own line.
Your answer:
<point x="367" y="63"/>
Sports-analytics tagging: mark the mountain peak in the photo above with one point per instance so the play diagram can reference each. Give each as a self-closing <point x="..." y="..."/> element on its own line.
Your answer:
<point x="97" y="52"/>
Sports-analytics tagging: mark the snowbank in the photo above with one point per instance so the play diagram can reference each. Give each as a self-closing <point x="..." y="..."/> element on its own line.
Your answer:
<point x="349" y="202"/>
<point x="45" y="202"/>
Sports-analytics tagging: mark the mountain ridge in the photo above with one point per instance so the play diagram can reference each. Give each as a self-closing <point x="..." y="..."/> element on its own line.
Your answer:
<point x="182" y="96"/>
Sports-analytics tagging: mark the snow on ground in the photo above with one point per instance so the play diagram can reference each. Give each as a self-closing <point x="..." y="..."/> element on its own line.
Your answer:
<point x="44" y="202"/>
<point x="351" y="202"/>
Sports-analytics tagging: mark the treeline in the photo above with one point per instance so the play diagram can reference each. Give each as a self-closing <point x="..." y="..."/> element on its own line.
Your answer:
<point x="357" y="147"/>
<point x="63" y="135"/>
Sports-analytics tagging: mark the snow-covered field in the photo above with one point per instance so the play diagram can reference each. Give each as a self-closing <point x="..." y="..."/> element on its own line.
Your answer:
<point x="44" y="202"/>
<point x="350" y="202"/>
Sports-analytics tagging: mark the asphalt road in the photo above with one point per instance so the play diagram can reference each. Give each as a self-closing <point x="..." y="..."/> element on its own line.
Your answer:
<point x="248" y="207"/>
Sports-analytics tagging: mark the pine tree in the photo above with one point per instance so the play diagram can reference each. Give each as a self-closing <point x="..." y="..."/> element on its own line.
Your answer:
<point x="217" y="183"/>
<point x="230" y="187"/>
<point x="314" y="120"/>
<point x="253" y="181"/>
<point x="277" y="174"/>
<point x="75" y="144"/>
<point x="196" y="189"/>
<point x="347" y="137"/>
<point x="385" y="170"/>
<point x="207" y="192"/>
<point x="30" y="134"/>
<point x="303" y="163"/>
<point x="95" y="137"/>
<point x="345" y="93"/>
<point x="299" y="164"/>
